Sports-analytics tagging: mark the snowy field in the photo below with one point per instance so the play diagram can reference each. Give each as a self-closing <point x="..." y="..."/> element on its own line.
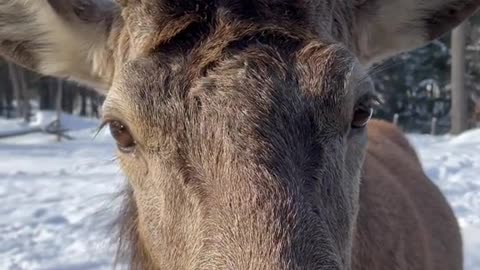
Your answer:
<point x="55" y="197"/>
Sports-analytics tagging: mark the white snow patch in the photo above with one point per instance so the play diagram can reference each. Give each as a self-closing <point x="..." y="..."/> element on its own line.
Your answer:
<point x="453" y="163"/>
<point x="43" y="118"/>
<point x="52" y="197"/>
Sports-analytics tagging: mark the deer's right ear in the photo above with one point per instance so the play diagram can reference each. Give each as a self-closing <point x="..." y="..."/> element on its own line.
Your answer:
<point x="62" y="38"/>
<point x="384" y="28"/>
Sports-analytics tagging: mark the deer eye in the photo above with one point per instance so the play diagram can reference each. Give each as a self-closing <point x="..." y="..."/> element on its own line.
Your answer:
<point x="123" y="137"/>
<point x="361" y="115"/>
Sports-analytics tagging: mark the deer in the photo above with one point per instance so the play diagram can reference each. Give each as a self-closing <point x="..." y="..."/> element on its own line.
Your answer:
<point x="245" y="130"/>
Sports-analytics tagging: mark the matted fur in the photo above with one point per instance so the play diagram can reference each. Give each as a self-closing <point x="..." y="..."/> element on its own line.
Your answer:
<point x="241" y="111"/>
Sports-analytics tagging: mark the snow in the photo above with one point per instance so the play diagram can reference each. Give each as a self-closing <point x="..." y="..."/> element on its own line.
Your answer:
<point x="453" y="163"/>
<point x="41" y="120"/>
<point x="56" y="199"/>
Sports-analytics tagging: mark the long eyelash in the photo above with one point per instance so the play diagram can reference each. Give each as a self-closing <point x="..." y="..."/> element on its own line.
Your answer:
<point x="99" y="129"/>
<point x="372" y="99"/>
<point x="382" y="67"/>
<point x="376" y="100"/>
<point x="376" y="70"/>
<point x="115" y="158"/>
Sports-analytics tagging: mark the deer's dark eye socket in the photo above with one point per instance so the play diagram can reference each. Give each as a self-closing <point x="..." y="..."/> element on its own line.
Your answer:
<point x="361" y="116"/>
<point x="122" y="135"/>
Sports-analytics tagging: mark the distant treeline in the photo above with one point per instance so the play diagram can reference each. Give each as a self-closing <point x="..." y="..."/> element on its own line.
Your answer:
<point x="22" y="91"/>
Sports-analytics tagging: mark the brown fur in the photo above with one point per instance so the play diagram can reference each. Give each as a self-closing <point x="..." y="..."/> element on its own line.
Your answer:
<point x="241" y="111"/>
<point x="393" y="173"/>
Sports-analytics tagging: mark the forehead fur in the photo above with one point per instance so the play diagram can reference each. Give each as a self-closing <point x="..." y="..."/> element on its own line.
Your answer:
<point x="156" y="23"/>
<point x="156" y="91"/>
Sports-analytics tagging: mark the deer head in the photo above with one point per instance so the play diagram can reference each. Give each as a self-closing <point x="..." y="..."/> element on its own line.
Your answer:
<point x="240" y="124"/>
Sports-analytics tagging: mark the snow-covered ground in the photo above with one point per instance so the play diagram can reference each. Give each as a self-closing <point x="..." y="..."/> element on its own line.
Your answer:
<point x="55" y="197"/>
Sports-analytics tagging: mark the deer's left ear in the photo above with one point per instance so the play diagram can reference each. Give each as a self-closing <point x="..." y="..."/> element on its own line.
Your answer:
<point x="383" y="28"/>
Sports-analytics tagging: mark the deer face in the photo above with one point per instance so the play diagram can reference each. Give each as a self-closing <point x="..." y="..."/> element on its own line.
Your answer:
<point x="240" y="126"/>
<point x="255" y="164"/>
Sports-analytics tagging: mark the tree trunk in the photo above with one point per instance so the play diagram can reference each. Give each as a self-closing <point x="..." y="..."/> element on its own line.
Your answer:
<point x="8" y="102"/>
<point x="59" y="108"/>
<point x="46" y="93"/>
<point x="459" y="111"/>
<point x="96" y="103"/>
<point x="19" y="85"/>
<point x="22" y="83"/>
<point x="2" y="101"/>
<point x="67" y="98"/>
<point x="83" y="103"/>
<point x="12" y="72"/>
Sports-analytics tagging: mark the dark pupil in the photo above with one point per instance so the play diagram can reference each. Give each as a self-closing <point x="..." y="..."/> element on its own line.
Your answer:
<point x="120" y="134"/>
<point x="361" y="117"/>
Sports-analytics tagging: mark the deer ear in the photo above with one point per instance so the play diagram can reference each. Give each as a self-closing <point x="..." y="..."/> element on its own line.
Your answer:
<point x="63" y="38"/>
<point x="383" y="28"/>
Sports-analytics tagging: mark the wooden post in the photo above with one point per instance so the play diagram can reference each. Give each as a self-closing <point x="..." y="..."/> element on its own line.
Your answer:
<point x="433" y="127"/>
<point x="59" y="108"/>
<point x="395" y="119"/>
<point x="459" y="111"/>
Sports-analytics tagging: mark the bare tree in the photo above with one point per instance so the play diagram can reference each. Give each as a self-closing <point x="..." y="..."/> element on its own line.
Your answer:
<point x="19" y="85"/>
<point x="22" y="83"/>
<point x="59" y="108"/>
<point x="12" y="72"/>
